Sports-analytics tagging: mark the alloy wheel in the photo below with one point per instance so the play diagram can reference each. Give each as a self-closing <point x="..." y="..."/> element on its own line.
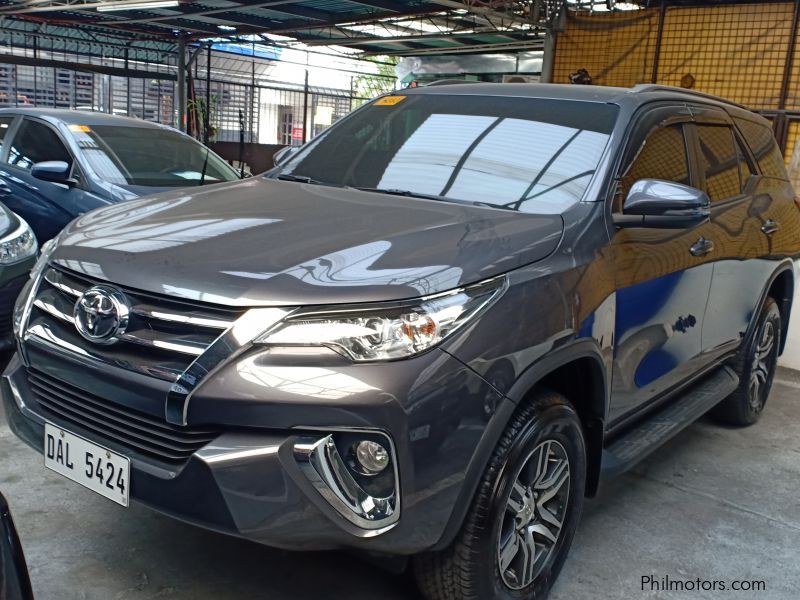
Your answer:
<point x="534" y="514"/>
<point x="762" y="366"/>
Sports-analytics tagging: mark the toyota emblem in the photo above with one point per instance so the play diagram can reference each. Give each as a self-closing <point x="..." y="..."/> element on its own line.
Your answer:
<point x="101" y="314"/>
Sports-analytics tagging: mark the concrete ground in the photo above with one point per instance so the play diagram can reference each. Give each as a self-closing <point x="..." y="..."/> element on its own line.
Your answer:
<point x="715" y="503"/>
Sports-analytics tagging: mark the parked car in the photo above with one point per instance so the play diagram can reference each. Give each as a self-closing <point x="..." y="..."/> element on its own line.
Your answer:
<point x="429" y="332"/>
<point x="18" y="248"/>
<point x="57" y="164"/>
<point x="15" y="583"/>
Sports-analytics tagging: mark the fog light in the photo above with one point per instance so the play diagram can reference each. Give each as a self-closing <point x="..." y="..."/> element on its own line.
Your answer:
<point x="371" y="456"/>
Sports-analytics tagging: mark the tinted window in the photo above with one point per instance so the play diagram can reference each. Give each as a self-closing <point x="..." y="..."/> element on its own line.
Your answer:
<point x="149" y="157"/>
<point x="745" y="168"/>
<point x="5" y="123"/>
<point x="762" y="144"/>
<point x="36" y="142"/>
<point x="525" y="154"/>
<point x="662" y="156"/>
<point x="719" y="161"/>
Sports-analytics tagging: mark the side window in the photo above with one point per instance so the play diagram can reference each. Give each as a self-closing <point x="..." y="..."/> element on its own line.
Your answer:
<point x="719" y="161"/>
<point x="5" y="123"/>
<point x="662" y="156"/>
<point x="762" y="143"/>
<point x="746" y="170"/>
<point x="36" y="142"/>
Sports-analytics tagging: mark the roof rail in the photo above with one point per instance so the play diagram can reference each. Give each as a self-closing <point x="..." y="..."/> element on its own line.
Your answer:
<point x="655" y="87"/>
<point x="449" y="82"/>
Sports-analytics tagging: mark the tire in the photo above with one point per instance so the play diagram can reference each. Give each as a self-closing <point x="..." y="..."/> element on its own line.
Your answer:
<point x="545" y="425"/>
<point x="755" y="367"/>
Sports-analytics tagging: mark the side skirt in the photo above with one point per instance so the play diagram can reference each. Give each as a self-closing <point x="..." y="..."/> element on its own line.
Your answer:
<point x="626" y="451"/>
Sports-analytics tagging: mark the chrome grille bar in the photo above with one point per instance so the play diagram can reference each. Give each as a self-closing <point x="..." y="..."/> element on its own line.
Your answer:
<point x="163" y="324"/>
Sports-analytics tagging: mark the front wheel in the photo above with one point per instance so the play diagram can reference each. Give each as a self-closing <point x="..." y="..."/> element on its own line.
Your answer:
<point x="756" y="367"/>
<point x="523" y="517"/>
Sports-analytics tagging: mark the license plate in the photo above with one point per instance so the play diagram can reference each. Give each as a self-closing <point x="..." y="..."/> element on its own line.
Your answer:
<point x="84" y="462"/>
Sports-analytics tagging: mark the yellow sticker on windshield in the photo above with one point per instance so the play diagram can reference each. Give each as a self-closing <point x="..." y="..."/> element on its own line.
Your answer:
<point x="80" y="128"/>
<point x="389" y="100"/>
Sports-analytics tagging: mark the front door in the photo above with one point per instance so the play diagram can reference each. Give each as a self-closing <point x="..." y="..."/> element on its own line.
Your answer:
<point x="663" y="276"/>
<point x="45" y="206"/>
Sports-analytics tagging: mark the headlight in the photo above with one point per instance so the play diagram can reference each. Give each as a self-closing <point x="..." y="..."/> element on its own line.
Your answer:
<point x="17" y="245"/>
<point x="386" y="332"/>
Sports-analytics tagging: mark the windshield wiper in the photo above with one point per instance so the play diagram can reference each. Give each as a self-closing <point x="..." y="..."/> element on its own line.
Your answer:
<point x="410" y="194"/>
<point x="299" y="178"/>
<point x="205" y="166"/>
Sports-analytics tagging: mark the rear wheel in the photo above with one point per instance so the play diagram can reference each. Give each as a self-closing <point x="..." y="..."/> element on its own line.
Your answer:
<point x="756" y="367"/>
<point x="523" y="517"/>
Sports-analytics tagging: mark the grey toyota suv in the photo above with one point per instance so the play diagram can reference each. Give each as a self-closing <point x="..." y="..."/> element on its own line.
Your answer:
<point x="428" y="333"/>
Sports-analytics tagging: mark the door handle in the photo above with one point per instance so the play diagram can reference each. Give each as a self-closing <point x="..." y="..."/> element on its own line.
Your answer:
<point x="770" y="227"/>
<point x="701" y="247"/>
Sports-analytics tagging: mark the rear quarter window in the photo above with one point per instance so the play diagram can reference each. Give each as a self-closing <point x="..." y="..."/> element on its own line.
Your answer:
<point x="762" y="143"/>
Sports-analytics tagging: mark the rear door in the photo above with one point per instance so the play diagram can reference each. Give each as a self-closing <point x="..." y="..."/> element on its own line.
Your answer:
<point x="740" y="209"/>
<point x="662" y="280"/>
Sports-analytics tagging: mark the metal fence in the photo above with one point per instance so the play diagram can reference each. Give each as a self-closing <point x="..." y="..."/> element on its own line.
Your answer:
<point x="744" y="51"/>
<point x="227" y="93"/>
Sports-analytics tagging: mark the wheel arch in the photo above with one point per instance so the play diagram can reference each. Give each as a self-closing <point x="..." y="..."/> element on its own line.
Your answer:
<point x="780" y="286"/>
<point x="578" y="372"/>
<point x="781" y="289"/>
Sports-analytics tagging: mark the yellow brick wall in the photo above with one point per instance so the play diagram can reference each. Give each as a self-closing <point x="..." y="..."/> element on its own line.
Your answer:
<point x="615" y="48"/>
<point x="791" y="140"/>
<point x="735" y="51"/>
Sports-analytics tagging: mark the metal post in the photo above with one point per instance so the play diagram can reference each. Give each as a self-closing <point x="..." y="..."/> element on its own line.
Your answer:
<point x="252" y="91"/>
<point x="207" y="116"/>
<point x="662" y="15"/>
<point x="305" y="109"/>
<point x="35" y="73"/>
<point x="127" y="86"/>
<point x="182" y="84"/>
<point x="789" y="62"/>
<point x="549" y="56"/>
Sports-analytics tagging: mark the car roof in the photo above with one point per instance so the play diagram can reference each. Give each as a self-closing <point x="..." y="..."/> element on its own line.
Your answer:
<point x="630" y="97"/>
<point x="81" y="117"/>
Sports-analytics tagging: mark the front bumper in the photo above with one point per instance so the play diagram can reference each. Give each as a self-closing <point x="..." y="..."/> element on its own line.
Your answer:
<point x="248" y="480"/>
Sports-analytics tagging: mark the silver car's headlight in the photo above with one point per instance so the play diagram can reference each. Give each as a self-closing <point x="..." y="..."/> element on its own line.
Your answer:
<point x="386" y="332"/>
<point x="17" y="245"/>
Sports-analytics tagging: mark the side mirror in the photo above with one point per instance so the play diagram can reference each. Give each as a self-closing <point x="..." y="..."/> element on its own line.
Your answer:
<point x="54" y="171"/>
<point x="14" y="581"/>
<point x="663" y="204"/>
<point x="283" y="155"/>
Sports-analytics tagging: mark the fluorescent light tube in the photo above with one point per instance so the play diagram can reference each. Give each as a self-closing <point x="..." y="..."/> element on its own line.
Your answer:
<point x="137" y="5"/>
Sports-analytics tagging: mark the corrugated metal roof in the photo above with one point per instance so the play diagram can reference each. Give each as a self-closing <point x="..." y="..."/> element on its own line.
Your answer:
<point x="318" y="22"/>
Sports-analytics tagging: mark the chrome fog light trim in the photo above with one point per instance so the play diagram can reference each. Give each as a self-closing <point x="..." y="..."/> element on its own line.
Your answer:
<point x="321" y="462"/>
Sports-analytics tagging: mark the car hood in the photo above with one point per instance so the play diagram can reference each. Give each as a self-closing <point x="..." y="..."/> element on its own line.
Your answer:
<point x="262" y="242"/>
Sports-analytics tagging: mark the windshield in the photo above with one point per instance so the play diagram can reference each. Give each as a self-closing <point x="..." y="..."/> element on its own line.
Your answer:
<point x="525" y="154"/>
<point x="149" y="157"/>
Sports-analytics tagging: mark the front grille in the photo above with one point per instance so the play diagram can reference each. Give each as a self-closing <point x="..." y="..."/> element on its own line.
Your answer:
<point x="164" y="334"/>
<point x="114" y="424"/>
